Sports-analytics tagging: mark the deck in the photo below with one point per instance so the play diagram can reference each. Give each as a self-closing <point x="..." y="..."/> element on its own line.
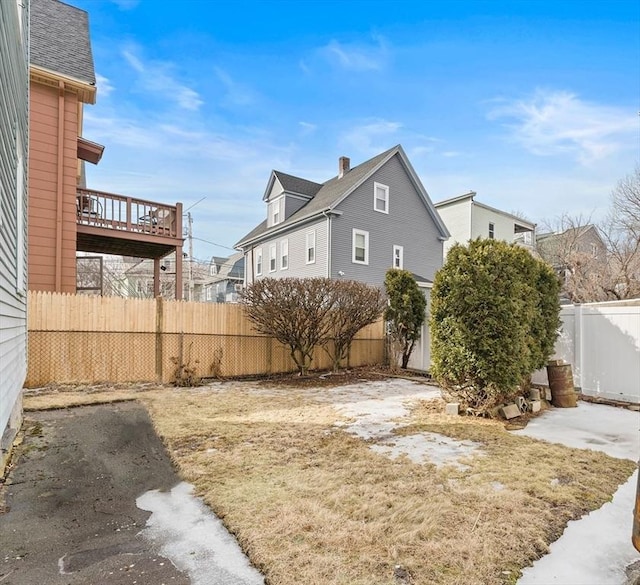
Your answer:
<point x="116" y="224"/>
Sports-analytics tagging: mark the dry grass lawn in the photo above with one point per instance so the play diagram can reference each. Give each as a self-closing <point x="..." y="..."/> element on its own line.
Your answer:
<point x="312" y="504"/>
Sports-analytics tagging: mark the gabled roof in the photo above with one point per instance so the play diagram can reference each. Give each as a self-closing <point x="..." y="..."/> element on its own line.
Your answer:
<point x="471" y="197"/>
<point x="571" y="233"/>
<point x="60" y="40"/>
<point x="293" y="185"/>
<point x="335" y="190"/>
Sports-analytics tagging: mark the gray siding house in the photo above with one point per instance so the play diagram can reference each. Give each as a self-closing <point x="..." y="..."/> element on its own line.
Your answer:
<point x="355" y="226"/>
<point x="14" y="73"/>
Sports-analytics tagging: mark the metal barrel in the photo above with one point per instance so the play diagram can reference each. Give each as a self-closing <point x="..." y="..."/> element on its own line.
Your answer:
<point x="563" y="393"/>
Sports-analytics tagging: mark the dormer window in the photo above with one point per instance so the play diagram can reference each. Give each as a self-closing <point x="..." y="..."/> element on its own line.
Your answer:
<point x="276" y="211"/>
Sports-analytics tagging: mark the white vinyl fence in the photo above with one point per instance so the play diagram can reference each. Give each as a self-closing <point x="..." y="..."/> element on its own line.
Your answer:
<point x="601" y="341"/>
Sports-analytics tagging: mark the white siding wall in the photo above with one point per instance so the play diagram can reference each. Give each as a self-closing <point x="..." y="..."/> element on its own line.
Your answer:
<point x="13" y="206"/>
<point x="457" y="218"/>
<point x="601" y="341"/>
<point x="480" y="219"/>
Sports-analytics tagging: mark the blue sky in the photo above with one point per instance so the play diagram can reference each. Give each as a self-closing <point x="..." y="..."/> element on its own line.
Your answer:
<point x="532" y="104"/>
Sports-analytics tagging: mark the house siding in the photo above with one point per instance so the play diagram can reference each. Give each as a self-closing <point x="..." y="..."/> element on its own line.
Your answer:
<point x="503" y="226"/>
<point x="44" y="164"/>
<point x="457" y="218"/>
<point x="13" y="209"/>
<point x="298" y="268"/>
<point x="408" y="224"/>
<point x="292" y="204"/>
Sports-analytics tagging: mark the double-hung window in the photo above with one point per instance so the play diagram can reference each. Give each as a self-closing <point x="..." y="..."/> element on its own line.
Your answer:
<point x="398" y="257"/>
<point x="272" y="258"/>
<point x="258" y="261"/>
<point x="360" y="247"/>
<point x="276" y="214"/>
<point x="284" y="254"/>
<point x="381" y="197"/>
<point x="492" y="231"/>
<point x="311" y="247"/>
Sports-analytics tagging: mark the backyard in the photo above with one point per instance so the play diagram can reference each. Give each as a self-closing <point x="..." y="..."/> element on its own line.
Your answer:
<point x="363" y="479"/>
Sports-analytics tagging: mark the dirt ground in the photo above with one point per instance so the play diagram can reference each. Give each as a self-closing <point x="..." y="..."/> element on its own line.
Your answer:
<point x="70" y="513"/>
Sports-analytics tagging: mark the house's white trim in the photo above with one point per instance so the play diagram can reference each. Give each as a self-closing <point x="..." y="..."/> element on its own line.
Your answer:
<point x="400" y="257"/>
<point x="259" y="261"/>
<point x="355" y="234"/>
<point x="310" y="246"/>
<point x="284" y="253"/>
<point x="273" y="258"/>
<point x="385" y="189"/>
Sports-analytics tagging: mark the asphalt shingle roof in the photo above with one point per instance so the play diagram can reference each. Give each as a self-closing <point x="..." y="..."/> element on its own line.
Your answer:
<point x="328" y="194"/>
<point x="60" y="40"/>
<point x="298" y="185"/>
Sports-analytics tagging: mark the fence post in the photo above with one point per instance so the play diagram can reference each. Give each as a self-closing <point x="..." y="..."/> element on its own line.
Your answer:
<point x="159" y="360"/>
<point x="577" y="345"/>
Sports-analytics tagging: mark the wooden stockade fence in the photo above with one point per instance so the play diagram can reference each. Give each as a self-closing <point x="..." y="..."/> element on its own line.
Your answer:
<point x="92" y="339"/>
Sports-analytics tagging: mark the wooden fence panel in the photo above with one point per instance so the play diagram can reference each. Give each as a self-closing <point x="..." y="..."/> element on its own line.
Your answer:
<point x="91" y="339"/>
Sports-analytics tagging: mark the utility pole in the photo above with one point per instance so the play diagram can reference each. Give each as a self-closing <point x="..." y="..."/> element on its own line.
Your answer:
<point x="190" y="236"/>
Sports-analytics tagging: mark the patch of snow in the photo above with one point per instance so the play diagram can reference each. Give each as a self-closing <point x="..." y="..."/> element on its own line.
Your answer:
<point x="377" y="409"/>
<point x="595" y="549"/>
<point x="188" y="534"/>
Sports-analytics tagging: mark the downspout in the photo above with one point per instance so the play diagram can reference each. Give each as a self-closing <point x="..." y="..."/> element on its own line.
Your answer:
<point x="59" y="188"/>
<point x="328" y="216"/>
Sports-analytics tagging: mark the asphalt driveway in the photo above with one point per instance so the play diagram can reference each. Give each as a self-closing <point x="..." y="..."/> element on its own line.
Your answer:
<point x="93" y="498"/>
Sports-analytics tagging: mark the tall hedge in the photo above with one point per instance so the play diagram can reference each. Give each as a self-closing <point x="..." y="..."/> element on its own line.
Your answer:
<point x="494" y="320"/>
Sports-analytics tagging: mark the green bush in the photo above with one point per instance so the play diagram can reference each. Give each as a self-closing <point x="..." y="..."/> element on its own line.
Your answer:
<point x="405" y="312"/>
<point x="494" y="321"/>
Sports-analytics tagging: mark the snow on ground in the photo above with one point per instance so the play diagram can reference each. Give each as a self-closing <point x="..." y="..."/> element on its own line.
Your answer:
<point x="194" y="539"/>
<point x="595" y="549"/>
<point x="376" y="409"/>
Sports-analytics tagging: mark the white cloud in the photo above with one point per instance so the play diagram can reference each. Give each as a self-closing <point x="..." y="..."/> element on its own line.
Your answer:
<point x="372" y="137"/>
<point x="156" y="76"/>
<point x="560" y="123"/>
<point x="104" y="86"/>
<point x="307" y="128"/>
<point x="357" y="57"/>
<point x="237" y="94"/>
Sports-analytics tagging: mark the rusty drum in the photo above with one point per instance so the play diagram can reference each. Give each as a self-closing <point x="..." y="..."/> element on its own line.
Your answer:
<point x="563" y="393"/>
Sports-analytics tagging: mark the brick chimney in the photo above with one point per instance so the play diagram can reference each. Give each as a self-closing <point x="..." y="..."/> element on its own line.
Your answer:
<point x="343" y="166"/>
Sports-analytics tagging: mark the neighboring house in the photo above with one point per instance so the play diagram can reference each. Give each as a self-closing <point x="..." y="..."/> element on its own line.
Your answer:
<point x="138" y="279"/>
<point x="14" y="86"/>
<point x="579" y="257"/>
<point x="64" y="216"/>
<point x="355" y="226"/>
<point x="226" y="279"/>
<point x="468" y="219"/>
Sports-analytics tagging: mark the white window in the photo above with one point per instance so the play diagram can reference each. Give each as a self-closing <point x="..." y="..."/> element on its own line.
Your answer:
<point x="381" y="198"/>
<point x="492" y="231"/>
<point x="284" y="254"/>
<point x="360" y="247"/>
<point x="398" y="257"/>
<point x="311" y="247"/>
<point x="276" y="214"/>
<point x="212" y="269"/>
<point x="258" y="261"/>
<point x="272" y="258"/>
<point x="209" y="293"/>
